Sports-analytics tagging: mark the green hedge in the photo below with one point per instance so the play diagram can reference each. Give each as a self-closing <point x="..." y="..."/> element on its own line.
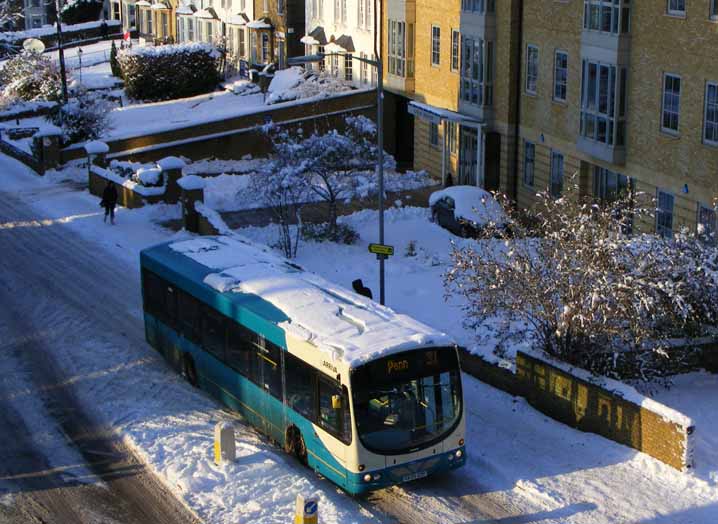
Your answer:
<point x="170" y="71"/>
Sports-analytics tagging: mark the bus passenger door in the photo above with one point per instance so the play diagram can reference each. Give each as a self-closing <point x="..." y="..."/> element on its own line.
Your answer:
<point x="330" y="442"/>
<point x="272" y="401"/>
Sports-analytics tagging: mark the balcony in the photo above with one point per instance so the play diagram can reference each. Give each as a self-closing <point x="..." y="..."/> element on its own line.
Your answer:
<point x="611" y="48"/>
<point x="615" y="155"/>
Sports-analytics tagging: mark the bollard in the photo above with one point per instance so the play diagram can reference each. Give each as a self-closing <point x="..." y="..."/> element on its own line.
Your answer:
<point x="306" y="510"/>
<point x="224" y="450"/>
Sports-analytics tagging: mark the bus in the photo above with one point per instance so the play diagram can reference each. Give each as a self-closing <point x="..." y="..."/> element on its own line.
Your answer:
<point x="366" y="397"/>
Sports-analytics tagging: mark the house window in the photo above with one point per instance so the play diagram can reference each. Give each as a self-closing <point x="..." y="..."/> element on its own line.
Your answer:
<point x="529" y="163"/>
<point x="710" y="131"/>
<point x="149" y="22"/>
<point x="242" y="43"/>
<point x="714" y="10"/>
<point x="560" y="76"/>
<point x="607" y="16"/>
<point x="477" y="71"/>
<point x="360" y="14"/>
<point x="434" y="134"/>
<point x="369" y="21"/>
<point x="707" y="223"/>
<point x="609" y="186"/>
<point x="209" y="32"/>
<point x="478" y="6"/>
<point x="321" y="62"/>
<point x="401" y="51"/>
<point x="455" y="45"/>
<point x="253" y="46"/>
<point x="532" y="64"/>
<point x="335" y="65"/>
<point x="348" y="72"/>
<point x="165" y="25"/>
<point x="664" y="214"/>
<point x="671" y="103"/>
<point x="364" y="69"/>
<point x="677" y="7"/>
<point x="602" y="111"/>
<point x="190" y="29"/>
<point x="435" y="45"/>
<point x="453" y="136"/>
<point x="556" y="187"/>
<point x="280" y="7"/>
<point x="337" y="11"/>
<point x="265" y="48"/>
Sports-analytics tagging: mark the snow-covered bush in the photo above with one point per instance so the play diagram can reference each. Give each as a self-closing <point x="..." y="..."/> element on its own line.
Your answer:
<point x="170" y="71"/>
<point x="342" y="233"/>
<point x="84" y="117"/>
<point x="590" y="293"/>
<point x="295" y="84"/>
<point x="149" y="176"/>
<point x="30" y="76"/>
<point x="80" y="11"/>
<point x="328" y="166"/>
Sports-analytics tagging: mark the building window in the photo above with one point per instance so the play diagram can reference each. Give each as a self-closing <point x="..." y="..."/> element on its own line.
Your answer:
<point x="209" y="32"/>
<point x="453" y="136"/>
<point x="348" y="72"/>
<point x="707" y="223"/>
<point x="478" y="6"/>
<point x="321" y="62"/>
<point x="455" y="45"/>
<point x="401" y="48"/>
<point x="364" y="69"/>
<point x="477" y="71"/>
<point x="560" y="76"/>
<point x="529" y="163"/>
<point x="165" y="25"/>
<point x="677" y="7"/>
<point x="344" y="12"/>
<point x="265" y="48"/>
<point x="671" y="103"/>
<point x="710" y="132"/>
<point x="714" y="10"/>
<point x="532" y="64"/>
<point x="609" y="186"/>
<point x="190" y="28"/>
<point x="664" y="214"/>
<point x="434" y="134"/>
<point x="334" y="65"/>
<point x="367" y="13"/>
<point x="607" y="16"/>
<point x="602" y="112"/>
<point x="556" y="187"/>
<point x="435" y="45"/>
<point x="242" y="43"/>
<point x="360" y="14"/>
<point x="280" y="7"/>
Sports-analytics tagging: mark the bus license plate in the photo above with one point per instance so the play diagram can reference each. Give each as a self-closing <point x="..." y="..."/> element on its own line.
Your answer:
<point x="414" y="476"/>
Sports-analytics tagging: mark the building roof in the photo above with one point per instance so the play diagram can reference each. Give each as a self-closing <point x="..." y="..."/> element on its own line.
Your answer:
<point x="344" y="325"/>
<point x="346" y="43"/>
<point x="319" y="35"/>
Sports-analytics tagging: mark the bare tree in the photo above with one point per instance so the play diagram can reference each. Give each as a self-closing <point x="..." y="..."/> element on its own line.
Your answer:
<point x="590" y="292"/>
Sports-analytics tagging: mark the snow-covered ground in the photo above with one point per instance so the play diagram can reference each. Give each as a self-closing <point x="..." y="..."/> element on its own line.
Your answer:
<point x="537" y="469"/>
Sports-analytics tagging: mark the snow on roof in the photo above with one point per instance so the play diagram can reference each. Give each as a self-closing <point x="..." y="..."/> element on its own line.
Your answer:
<point x="206" y="13"/>
<point x="262" y="23"/>
<point x="309" y="40"/>
<point x="171" y="162"/>
<point x="191" y="182"/>
<point x="95" y="147"/>
<point x="159" y="5"/>
<point x="183" y="9"/>
<point x="238" y="19"/>
<point x="472" y="203"/>
<point x="286" y="79"/>
<point x="441" y="113"/>
<point x="347" y="326"/>
<point x="144" y="3"/>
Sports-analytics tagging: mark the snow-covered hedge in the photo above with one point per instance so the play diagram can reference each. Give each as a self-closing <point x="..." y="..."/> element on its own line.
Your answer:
<point x="170" y="71"/>
<point x="29" y="77"/>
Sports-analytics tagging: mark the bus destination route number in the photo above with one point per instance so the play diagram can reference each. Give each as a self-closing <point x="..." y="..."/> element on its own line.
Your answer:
<point x="381" y="250"/>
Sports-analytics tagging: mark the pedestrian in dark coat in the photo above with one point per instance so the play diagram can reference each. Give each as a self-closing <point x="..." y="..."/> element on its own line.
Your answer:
<point x="109" y="201"/>
<point x="104" y="29"/>
<point x="360" y="288"/>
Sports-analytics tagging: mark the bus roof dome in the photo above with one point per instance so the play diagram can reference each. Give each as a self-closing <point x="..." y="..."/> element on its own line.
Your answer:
<point x="344" y="324"/>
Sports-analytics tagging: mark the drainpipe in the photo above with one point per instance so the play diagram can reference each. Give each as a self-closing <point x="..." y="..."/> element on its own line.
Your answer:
<point x="517" y="108"/>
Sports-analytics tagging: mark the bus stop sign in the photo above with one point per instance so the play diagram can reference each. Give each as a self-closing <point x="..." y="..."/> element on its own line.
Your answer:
<point x="381" y="250"/>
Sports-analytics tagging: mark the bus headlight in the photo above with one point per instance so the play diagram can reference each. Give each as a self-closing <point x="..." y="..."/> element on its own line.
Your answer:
<point x="367" y="478"/>
<point x="459" y="453"/>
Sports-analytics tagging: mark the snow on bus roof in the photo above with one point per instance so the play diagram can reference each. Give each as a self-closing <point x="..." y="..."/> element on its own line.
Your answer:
<point x="346" y="325"/>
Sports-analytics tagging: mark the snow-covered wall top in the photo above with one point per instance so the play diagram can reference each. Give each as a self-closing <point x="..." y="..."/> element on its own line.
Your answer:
<point x="51" y="30"/>
<point x="343" y="324"/>
<point x="172" y="49"/>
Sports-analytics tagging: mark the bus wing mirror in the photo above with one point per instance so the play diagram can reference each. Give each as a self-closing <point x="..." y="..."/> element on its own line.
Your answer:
<point x="336" y="402"/>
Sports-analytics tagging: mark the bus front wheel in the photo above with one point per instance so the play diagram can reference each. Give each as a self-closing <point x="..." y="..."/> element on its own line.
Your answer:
<point x="190" y="371"/>
<point x="294" y="444"/>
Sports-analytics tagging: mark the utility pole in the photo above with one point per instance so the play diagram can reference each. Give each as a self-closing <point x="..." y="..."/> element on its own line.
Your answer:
<point x="61" y="52"/>
<point x="380" y="143"/>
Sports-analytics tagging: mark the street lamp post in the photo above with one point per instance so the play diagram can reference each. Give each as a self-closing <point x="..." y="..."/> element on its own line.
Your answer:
<point x="79" y="58"/>
<point x="61" y="52"/>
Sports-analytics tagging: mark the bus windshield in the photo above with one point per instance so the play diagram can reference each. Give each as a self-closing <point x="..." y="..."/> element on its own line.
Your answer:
<point x="408" y="401"/>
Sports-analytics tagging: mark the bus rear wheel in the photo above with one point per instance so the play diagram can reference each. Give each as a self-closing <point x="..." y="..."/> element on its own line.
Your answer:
<point x="294" y="444"/>
<point x="190" y="371"/>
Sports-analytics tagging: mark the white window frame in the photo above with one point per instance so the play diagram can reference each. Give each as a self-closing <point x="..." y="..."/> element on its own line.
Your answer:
<point x="708" y="109"/>
<point x="674" y="8"/>
<point x="435" y="45"/>
<point x="556" y="175"/>
<point x="476" y="82"/>
<point x="348" y="68"/>
<point x="532" y="70"/>
<point x="556" y="73"/>
<point x="665" y="111"/>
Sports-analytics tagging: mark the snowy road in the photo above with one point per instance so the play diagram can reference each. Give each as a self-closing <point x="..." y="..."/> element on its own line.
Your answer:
<point x="56" y="465"/>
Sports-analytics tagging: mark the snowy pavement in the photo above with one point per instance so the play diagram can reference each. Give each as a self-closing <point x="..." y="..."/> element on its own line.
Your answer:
<point x="523" y="467"/>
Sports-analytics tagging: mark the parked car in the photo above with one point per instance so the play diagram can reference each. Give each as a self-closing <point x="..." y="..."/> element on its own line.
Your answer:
<point x="466" y="210"/>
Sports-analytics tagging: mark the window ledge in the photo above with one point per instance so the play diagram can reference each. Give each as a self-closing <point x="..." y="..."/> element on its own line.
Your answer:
<point x="680" y="16"/>
<point x="671" y="135"/>
<point x="563" y="103"/>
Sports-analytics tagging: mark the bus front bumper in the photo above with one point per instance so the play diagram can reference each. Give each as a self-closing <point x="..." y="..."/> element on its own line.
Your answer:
<point x="406" y="472"/>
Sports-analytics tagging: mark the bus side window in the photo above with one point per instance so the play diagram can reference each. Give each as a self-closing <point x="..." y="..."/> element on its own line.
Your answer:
<point x="331" y="416"/>
<point x="300" y="386"/>
<point x="213" y="332"/>
<point x="270" y="360"/>
<point x="189" y="317"/>
<point x="240" y="352"/>
<point x="154" y="301"/>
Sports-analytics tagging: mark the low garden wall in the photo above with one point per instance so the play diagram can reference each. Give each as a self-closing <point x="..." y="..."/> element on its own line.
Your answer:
<point x="638" y="422"/>
<point x="237" y="136"/>
<point x="130" y="195"/>
<point x="84" y="33"/>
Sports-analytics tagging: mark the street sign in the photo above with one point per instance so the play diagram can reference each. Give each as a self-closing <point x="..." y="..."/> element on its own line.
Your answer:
<point x="381" y="249"/>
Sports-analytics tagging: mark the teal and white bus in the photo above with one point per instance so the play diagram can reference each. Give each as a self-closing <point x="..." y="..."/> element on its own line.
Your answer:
<point x="365" y="396"/>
